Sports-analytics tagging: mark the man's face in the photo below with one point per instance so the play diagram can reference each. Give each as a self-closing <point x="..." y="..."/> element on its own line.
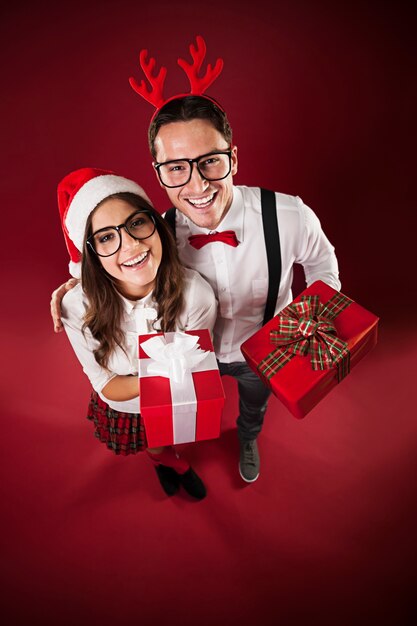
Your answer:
<point x="204" y="202"/>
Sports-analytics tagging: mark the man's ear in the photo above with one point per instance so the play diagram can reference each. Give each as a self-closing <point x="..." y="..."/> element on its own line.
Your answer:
<point x="234" y="160"/>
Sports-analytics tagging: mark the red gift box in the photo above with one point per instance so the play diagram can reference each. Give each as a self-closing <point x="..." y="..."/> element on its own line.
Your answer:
<point x="181" y="412"/>
<point x="321" y="315"/>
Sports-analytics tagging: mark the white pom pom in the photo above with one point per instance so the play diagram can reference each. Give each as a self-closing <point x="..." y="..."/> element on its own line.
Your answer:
<point x="75" y="269"/>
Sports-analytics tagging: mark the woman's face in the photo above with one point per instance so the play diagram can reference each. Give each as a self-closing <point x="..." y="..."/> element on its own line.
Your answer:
<point x="135" y="264"/>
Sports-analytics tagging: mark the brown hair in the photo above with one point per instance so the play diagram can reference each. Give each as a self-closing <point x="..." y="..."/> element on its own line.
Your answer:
<point x="187" y="109"/>
<point x="105" y="308"/>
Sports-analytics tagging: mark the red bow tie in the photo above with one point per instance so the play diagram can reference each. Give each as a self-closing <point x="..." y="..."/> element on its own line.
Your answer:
<point x="227" y="236"/>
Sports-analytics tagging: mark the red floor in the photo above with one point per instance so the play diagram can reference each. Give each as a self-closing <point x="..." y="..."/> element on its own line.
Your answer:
<point x="327" y="535"/>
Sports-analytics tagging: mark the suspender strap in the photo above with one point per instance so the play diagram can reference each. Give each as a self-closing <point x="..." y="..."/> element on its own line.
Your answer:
<point x="170" y="218"/>
<point x="273" y="251"/>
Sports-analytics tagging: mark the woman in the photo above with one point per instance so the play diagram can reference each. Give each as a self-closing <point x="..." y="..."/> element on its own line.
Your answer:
<point x="131" y="282"/>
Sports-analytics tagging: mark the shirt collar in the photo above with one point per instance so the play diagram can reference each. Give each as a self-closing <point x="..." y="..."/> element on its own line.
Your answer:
<point x="131" y="305"/>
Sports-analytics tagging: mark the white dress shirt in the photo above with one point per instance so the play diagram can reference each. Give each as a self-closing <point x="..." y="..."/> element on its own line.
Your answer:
<point x="239" y="276"/>
<point x="199" y="312"/>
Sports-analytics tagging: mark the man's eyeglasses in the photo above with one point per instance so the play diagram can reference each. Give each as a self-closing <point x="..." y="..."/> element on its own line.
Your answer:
<point x="210" y="166"/>
<point x="107" y="241"/>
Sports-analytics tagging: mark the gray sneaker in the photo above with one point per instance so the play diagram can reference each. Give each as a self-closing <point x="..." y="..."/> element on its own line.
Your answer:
<point x="249" y="461"/>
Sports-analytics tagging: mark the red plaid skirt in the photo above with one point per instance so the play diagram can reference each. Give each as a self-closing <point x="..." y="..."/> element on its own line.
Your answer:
<point x="123" y="433"/>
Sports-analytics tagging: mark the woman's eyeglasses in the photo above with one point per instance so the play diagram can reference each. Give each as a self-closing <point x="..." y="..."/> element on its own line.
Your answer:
<point x="107" y="241"/>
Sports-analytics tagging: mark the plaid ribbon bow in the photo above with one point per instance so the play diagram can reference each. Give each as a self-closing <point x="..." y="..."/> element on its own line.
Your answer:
<point x="307" y="328"/>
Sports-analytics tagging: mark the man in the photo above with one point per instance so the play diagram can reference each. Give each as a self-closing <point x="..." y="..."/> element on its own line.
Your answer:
<point x="195" y="160"/>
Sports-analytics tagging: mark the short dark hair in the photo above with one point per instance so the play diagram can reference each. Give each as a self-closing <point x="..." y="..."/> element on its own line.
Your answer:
<point x="186" y="109"/>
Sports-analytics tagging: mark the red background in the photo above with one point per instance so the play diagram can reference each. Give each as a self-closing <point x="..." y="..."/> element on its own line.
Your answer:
<point x="321" y="97"/>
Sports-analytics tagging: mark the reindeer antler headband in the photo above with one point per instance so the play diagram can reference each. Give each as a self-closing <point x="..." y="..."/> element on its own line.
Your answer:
<point x="198" y="84"/>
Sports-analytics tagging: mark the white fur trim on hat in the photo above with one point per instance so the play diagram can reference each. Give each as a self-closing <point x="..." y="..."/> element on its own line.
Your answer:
<point x="89" y="196"/>
<point x="75" y="269"/>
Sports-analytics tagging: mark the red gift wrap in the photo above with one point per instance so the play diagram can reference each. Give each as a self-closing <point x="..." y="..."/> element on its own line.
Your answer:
<point x="170" y="421"/>
<point x="310" y="346"/>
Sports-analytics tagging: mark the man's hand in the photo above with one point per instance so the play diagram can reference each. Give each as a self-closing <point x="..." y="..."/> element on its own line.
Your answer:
<point x="56" y="299"/>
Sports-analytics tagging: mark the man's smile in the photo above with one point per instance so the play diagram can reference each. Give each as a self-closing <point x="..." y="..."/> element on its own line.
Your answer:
<point x="203" y="202"/>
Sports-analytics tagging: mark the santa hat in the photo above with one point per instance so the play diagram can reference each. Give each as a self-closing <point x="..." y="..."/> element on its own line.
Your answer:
<point x="78" y="195"/>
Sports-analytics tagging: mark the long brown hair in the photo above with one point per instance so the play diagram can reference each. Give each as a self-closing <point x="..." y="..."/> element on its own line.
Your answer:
<point x="105" y="308"/>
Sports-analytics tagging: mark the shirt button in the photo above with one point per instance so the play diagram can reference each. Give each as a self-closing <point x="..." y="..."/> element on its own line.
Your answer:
<point x="223" y="289"/>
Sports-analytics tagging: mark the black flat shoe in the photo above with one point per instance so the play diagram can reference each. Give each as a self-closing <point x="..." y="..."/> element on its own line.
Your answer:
<point x="193" y="484"/>
<point x="169" y="479"/>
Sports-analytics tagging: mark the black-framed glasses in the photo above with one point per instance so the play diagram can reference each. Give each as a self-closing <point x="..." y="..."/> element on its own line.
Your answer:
<point x="107" y="241"/>
<point x="210" y="166"/>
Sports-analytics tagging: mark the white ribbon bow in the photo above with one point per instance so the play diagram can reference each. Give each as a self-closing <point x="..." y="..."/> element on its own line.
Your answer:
<point x="172" y="360"/>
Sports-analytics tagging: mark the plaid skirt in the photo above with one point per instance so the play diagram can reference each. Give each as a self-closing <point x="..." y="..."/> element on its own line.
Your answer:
<point x="123" y="433"/>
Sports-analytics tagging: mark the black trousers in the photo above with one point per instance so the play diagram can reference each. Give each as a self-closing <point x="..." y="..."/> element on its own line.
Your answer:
<point x="253" y="399"/>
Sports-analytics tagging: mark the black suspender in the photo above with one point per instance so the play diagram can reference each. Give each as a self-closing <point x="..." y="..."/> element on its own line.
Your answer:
<point x="272" y="244"/>
<point x="273" y="251"/>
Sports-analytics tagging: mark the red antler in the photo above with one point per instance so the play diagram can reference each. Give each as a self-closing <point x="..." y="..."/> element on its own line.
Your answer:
<point x="154" y="95"/>
<point x="199" y="85"/>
